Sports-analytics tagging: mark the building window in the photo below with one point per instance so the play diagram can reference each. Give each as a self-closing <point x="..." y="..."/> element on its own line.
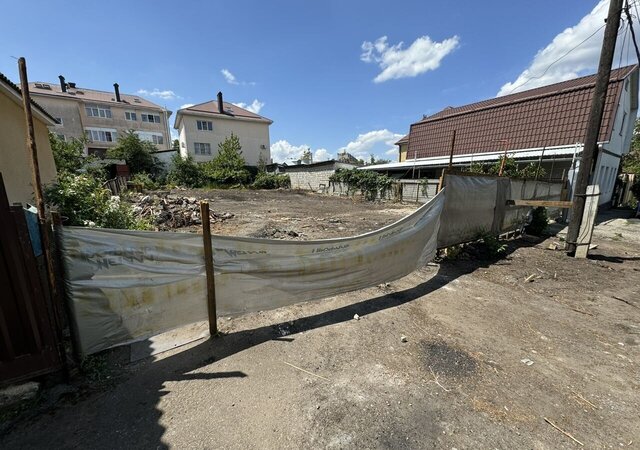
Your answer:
<point x="60" y="121"/>
<point x="151" y="118"/>
<point x="202" y="148"/>
<point x="94" y="110"/>
<point x="62" y="137"/>
<point x="204" y="125"/>
<point x="97" y="135"/>
<point x="155" y="138"/>
<point x="130" y="116"/>
<point x="624" y="119"/>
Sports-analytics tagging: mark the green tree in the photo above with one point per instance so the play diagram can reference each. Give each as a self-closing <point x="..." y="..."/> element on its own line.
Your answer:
<point x="228" y="167"/>
<point x="137" y="153"/>
<point x="175" y="145"/>
<point x="631" y="161"/>
<point x="67" y="155"/>
<point x="186" y="172"/>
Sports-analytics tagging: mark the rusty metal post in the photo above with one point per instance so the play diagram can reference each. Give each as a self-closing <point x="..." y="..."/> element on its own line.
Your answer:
<point x="209" y="267"/>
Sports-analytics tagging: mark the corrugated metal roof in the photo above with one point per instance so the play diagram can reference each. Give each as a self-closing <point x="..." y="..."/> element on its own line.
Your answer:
<point x="543" y="117"/>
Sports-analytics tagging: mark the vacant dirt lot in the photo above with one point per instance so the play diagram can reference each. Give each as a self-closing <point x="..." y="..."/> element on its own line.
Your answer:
<point x="495" y="351"/>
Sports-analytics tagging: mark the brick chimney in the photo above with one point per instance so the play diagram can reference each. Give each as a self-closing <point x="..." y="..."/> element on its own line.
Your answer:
<point x="116" y="87"/>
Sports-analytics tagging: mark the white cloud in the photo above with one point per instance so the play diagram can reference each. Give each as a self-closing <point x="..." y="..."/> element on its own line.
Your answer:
<point x="255" y="106"/>
<point x="164" y="95"/>
<point x="186" y="105"/>
<point x="284" y="151"/>
<point x="322" y="154"/>
<point x="377" y="142"/>
<point x="421" y="56"/>
<point x="578" y="62"/>
<point x="231" y="78"/>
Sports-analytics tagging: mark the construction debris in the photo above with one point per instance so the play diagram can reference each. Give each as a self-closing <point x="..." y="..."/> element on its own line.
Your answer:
<point x="173" y="211"/>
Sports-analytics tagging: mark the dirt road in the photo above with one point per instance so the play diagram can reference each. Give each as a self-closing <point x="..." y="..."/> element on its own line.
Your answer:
<point x="489" y="360"/>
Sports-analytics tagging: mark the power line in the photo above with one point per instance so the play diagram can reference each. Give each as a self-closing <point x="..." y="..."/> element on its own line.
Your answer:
<point x="633" y="34"/>
<point x="560" y="58"/>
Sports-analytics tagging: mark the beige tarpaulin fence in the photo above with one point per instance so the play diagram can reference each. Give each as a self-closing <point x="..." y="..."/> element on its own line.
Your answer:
<point x="127" y="285"/>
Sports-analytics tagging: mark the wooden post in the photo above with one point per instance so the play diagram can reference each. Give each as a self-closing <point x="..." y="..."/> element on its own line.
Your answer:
<point x="208" y="264"/>
<point x="590" y="149"/>
<point x="588" y="221"/>
<point x="32" y="150"/>
<point x="453" y="142"/>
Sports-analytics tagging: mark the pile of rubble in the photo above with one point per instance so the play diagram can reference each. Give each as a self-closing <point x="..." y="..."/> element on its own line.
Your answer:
<point x="173" y="211"/>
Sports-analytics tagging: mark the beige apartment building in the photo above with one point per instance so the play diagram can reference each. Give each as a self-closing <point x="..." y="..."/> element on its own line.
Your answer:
<point x="202" y="127"/>
<point x="101" y="116"/>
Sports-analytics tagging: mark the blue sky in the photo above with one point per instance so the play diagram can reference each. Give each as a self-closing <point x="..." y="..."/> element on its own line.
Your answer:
<point x="322" y="71"/>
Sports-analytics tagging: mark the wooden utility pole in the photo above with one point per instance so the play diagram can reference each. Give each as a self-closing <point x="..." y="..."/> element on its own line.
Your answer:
<point x="32" y="150"/>
<point x="209" y="267"/>
<point x="453" y="143"/>
<point x="595" y="120"/>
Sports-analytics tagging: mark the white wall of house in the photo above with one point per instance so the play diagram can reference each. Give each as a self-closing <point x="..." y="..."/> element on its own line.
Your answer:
<point x="253" y="136"/>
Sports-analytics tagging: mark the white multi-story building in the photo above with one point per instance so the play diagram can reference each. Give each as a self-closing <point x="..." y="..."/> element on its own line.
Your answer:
<point x="101" y="116"/>
<point x="202" y="127"/>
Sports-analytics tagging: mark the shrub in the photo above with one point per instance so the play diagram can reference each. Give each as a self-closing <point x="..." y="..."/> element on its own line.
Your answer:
<point x="186" y="172"/>
<point x="228" y="167"/>
<point x="137" y="153"/>
<point x="369" y="182"/>
<point x="511" y="169"/>
<point x="82" y="201"/>
<point x="271" y="181"/>
<point x="539" y="222"/>
<point x="144" y="180"/>
<point x="67" y="155"/>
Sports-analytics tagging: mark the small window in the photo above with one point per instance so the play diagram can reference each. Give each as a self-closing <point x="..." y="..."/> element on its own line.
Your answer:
<point x="202" y="148"/>
<point x="94" y="110"/>
<point x="130" y="116"/>
<point x="204" y="125"/>
<point x="62" y="137"/>
<point x="624" y="119"/>
<point x="151" y="118"/>
<point x="59" y="120"/>
<point x="101" y="135"/>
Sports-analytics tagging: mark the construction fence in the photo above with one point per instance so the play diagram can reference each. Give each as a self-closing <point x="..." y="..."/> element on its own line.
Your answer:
<point x="124" y="286"/>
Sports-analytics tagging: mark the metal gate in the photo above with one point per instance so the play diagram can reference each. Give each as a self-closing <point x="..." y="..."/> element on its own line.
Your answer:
<point x="28" y="344"/>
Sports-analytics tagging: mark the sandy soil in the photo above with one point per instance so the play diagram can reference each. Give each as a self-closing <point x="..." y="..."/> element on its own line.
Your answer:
<point x="489" y="359"/>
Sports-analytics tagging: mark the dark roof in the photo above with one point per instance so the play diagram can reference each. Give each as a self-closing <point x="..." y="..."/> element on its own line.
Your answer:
<point x="18" y="91"/>
<point x="547" y="116"/>
<point x="231" y="110"/>
<point x="403" y="140"/>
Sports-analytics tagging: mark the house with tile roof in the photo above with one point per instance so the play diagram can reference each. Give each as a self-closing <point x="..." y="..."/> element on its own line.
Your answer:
<point x="101" y="116"/>
<point x="546" y="125"/>
<point x="14" y="157"/>
<point x="203" y="126"/>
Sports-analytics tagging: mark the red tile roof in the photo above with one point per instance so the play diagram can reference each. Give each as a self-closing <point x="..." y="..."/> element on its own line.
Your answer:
<point x="548" y="116"/>
<point x="211" y="107"/>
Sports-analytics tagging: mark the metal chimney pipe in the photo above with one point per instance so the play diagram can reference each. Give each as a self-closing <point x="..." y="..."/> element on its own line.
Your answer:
<point x="116" y="87"/>
<point x="220" y="103"/>
<point x="63" y="84"/>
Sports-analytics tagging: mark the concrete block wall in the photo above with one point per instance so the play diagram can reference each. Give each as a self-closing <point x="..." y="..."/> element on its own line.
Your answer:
<point x="311" y="178"/>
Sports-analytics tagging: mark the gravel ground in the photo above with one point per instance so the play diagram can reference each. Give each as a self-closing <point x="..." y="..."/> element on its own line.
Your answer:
<point x="489" y="358"/>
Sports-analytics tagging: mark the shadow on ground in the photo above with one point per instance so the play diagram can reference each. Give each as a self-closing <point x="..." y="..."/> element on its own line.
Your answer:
<point x="128" y="415"/>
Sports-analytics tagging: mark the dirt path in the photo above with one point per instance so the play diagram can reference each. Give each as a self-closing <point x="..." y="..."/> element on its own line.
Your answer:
<point x="488" y="356"/>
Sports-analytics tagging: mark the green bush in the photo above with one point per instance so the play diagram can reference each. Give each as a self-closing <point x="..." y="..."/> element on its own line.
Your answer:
<point x="67" y="155"/>
<point x="511" y="169"/>
<point x="82" y="201"/>
<point x="369" y="182"/>
<point x="144" y="180"/>
<point x="186" y="172"/>
<point x="271" y="181"/>
<point x="137" y="153"/>
<point x="539" y="222"/>
<point x="228" y="167"/>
